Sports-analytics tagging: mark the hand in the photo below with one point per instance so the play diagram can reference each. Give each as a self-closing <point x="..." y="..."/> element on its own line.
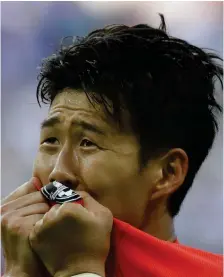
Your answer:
<point x="71" y="239"/>
<point x="20" y="211"/>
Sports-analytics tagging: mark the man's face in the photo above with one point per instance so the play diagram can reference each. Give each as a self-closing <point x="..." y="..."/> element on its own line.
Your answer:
<point x="84" y="148"/>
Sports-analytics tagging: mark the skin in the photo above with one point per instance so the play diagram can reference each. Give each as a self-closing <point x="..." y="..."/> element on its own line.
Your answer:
<point x="107" y="165"/>
<point x="85" y="244"/>
<point x="103" y="166"/>
<point x="20" y="211"/>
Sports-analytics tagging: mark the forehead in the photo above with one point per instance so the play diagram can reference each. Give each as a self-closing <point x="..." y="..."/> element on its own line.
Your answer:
<point x="73" y="102"/>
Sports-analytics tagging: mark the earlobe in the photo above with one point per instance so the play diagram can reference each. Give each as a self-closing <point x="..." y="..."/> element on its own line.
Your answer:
<point x="163" y="190"/>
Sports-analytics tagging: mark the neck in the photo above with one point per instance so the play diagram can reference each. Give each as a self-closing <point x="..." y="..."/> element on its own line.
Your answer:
<point x="158" y="223"/>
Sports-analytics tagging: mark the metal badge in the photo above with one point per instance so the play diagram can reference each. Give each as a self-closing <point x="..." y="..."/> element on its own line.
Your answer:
<point x="59" y="193"/>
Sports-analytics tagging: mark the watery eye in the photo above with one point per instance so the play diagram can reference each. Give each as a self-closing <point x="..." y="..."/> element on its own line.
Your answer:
<point x="87" y="143"/>
<point x="51" y="140"/>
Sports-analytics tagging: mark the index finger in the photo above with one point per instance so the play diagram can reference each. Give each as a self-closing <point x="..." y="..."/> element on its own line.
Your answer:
<point x="25" y="189"/>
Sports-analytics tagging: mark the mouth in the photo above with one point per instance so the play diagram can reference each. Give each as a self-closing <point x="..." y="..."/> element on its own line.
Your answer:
<point x="51" y="190"/>
<point x="58" y="193"/>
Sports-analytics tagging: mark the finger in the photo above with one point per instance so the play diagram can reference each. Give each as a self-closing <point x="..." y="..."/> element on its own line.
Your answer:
<point x="34" y="232"/>
<point x="89" y="202"/>
<point x="95" y="207"/>
<point x="55" y="207"/>
<point x="30" y="222"/>
<point x="29" y="199"/>
<point x="26" y="188"/>
<point x="25" y="223"/>
<point x="33" y="219"/>
<point x="40" y="208"/>
<point x="51" y="213"/>
<point x="72" y="210"/>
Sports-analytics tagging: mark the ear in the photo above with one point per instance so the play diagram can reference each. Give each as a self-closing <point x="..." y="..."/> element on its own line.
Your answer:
<point x="173" y="170"/>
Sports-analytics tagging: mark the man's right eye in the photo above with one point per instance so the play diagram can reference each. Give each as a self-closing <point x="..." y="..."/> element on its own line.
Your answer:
<point x="51" y="140"/>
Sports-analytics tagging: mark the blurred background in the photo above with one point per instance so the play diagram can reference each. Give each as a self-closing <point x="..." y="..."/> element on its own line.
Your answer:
<point x="31" y="31"/>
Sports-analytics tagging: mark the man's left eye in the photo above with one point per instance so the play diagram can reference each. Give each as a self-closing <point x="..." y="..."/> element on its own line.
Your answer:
<point x="87" y="143"/>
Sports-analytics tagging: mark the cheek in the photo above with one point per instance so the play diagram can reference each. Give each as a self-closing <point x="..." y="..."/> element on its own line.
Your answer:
<point x="42" y="167"/>
<point x="116" y="183"/>
<point x="106" y="171"/>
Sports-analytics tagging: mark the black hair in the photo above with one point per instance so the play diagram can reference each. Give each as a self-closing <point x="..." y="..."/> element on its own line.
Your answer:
<point x="167" y="85"/>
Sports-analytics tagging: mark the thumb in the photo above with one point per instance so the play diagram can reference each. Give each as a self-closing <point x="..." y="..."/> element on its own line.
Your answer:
<point x="100" y="211"/>
<point x="89" y="202"/>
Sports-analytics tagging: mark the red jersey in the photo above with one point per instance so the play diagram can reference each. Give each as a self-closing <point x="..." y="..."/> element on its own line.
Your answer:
<point x="134" y="253"/>
<point x="137" y="254"/>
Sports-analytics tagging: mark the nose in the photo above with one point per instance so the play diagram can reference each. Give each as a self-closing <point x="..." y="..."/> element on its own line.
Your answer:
<point x="65" y="169"/>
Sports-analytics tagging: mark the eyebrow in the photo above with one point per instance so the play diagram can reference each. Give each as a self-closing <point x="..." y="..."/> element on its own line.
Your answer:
<point x="51" y="122"/>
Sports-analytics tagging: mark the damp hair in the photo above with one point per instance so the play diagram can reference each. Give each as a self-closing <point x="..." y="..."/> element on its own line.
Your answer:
<point x="166" y="84"/>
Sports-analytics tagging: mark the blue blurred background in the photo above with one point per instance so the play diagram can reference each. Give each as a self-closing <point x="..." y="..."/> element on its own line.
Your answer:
<point x="31" y="31"/>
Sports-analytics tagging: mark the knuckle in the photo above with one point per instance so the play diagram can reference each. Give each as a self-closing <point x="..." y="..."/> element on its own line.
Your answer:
<point x="67" y="209"/>
<point x="63" y="209"/>
<point x="12" y="224"/>
<point x="107" y="216"/>
<point x="5" y="220"/>
<point x="15" y="225"/>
